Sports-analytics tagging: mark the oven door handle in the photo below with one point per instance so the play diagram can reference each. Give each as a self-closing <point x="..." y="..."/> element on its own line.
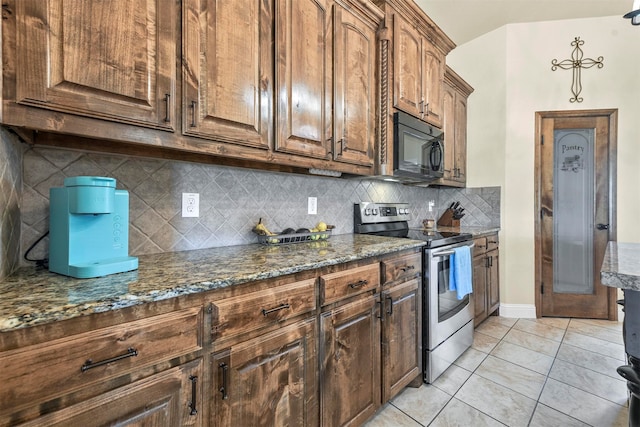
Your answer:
<point x="448" y="253"/>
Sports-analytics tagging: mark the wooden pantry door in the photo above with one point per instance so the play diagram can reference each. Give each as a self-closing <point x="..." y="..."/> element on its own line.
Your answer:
<point x="575" y="212"/>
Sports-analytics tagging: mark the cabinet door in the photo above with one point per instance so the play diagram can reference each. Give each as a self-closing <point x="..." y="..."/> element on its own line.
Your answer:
<point x="407" y="67"/>
<point x="268" y="381"/>
<point x="350" y="363"/>
<point x="170" y="398"/>
<point x="355" y="88"/>
<point x="493" y="282"/>
<point x="111" y="60"/>
<point x="228" y="71"/>
<point x="303" y="77"/>
<point x="460" y="131"/>
<point x="401" y="338"/>
<point x="432" y="74"/>
<point x="480" y="288"/>
<point x="449" y="124"/>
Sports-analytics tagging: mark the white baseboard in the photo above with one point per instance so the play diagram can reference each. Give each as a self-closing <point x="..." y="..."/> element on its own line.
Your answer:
<point x="525" y="311"/>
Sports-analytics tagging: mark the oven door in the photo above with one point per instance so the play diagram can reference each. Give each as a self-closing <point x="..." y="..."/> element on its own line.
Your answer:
<point x="446" y="314"/>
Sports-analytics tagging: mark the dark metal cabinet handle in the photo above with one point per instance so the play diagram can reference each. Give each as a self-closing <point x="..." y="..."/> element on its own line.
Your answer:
<point x="358" y="284"/>
<point x="167" y="117"/>
<point x="89" y="364"/>
<point x="390" y="310"/>
<point x="193" y="113"/>
<point x="225" y="385"/>
<point x="493" y="241"/>
<point x="193" y="403"/>
<point x="602" y="226"/>
<point x="407" y="268"/>
<point x="273" y="310"/>
<point x="491" y="261"/>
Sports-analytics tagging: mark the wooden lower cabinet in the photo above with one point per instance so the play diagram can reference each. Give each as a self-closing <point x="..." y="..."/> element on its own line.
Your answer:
<point x="486" y="282"/>
<point x="350" y="362"/>
<point x="167" y="399"/>
<point x="267" y="381"/>
<point x="401" y="340"/>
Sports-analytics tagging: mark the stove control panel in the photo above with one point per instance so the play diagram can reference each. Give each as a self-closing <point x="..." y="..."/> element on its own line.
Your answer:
<point x="371" y="213"/>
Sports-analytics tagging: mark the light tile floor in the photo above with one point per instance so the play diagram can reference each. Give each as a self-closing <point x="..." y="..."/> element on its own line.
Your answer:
<point x="524" y="372"/>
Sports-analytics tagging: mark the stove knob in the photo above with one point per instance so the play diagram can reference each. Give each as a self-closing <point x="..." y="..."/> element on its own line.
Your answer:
<point x="367" y="211"/>
<point x="401" y="211"/>
<point x="406" y="211"/>
<point x="375" y="212"/>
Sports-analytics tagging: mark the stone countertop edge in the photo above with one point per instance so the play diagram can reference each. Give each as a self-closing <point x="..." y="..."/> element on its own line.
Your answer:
<point x="34" y="296"/>
<point x="475" y="231"/>
<point x="621" y="266"/>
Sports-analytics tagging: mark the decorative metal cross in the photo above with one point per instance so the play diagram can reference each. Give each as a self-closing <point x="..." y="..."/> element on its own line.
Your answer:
<point x="577" y="63"/>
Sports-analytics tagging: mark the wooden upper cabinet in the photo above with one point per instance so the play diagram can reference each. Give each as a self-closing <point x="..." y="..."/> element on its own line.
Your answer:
<point x="355" y="88"/>
<point x="303" y="77"/>
<point x="432" y="73"/>
<point x="228" y="71"/>
<point x="407" y="87"/>
<point x="418" y="68"/>
<point x="455" y="92"/>
<point x="112" y="60"/>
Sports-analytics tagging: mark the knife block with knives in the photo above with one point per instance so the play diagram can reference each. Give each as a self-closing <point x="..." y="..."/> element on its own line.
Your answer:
<point x="451" y="216"/>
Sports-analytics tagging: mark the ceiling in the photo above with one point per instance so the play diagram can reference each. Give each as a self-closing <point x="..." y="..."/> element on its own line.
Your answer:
<point x="464" y="20"/>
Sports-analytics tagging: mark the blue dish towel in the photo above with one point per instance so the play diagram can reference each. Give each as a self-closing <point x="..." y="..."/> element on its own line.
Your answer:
<point x="460" y="271"/>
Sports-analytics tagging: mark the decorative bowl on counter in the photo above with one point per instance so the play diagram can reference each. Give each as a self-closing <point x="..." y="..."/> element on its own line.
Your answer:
<point x="283" y="239"/>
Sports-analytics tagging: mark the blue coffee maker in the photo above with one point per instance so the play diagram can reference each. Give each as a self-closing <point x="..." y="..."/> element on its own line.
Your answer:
<point x="89" y="228"/>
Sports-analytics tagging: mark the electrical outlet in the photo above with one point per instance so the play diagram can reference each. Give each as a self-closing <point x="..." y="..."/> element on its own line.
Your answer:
<point x="312" y="206"/>
<point x="190" y="205"/>
<point x="432" y="203"/>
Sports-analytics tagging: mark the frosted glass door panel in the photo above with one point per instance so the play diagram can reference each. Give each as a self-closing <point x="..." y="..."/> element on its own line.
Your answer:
<point x="573" y="211"/>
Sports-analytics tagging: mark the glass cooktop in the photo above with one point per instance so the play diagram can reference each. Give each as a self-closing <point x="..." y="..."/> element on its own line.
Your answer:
<point x="435" y="238"/>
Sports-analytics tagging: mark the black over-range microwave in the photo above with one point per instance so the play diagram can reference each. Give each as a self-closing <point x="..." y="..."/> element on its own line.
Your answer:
<point x="418" y="149"/>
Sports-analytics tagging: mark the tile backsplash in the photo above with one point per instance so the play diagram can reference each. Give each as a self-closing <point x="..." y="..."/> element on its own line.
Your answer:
<point x="231" y="199"/>
<point x="10" y="186"/>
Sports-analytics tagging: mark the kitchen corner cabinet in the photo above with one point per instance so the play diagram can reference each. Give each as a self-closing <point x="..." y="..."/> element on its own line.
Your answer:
<point x="63" y="64"/>
<point x="455" y="92"/>
<point x="486" y="282"/>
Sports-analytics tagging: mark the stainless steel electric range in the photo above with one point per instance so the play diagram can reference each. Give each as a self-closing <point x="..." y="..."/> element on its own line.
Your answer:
<point x="447" y="322"/>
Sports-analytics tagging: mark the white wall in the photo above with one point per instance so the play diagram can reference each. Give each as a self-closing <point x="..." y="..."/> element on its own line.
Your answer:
<point x="510" y="69"/>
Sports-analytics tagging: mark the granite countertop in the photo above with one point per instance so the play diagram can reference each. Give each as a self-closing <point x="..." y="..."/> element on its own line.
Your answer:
<point x="621" y="266"/>
<point x="475" y="231"/>
<point x="34" y="296"/>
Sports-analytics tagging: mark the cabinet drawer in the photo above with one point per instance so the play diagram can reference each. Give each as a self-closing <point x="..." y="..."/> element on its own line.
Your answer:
<point x="492" y="242"/>
<point x="336" y="286"/>
<point x="255" y="310"/>
<point x="480" y="246"/>
<point x="45" y="371"/>
<point x="402" y="268"/>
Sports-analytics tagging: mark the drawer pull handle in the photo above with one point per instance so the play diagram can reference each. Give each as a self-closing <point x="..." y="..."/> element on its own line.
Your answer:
<point x="167" y="117"/>
<point x="266" y="312"/>
<point x="225" y="384"/>
<point x="90" y="365"/>
<point x="407" y="268"/>
<point x="193" y="404"/>
<point x="193" y="113"/>
<point x="358" y="284"/>
<point x="493" y="241"/>
<point x="390" y="310"/>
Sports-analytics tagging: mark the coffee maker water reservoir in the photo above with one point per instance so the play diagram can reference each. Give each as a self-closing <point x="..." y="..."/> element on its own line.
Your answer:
<point x="89" y="228"/>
